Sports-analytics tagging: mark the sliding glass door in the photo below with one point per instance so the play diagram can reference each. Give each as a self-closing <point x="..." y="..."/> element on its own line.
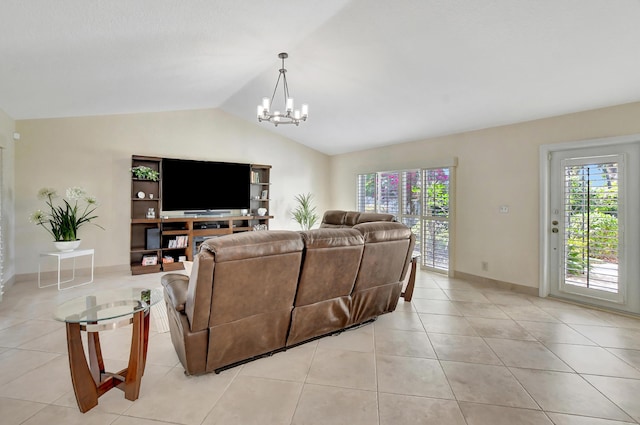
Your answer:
<point x="419" y="198"/>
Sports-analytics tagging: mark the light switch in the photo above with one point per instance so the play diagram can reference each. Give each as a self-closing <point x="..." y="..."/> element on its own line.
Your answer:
<point x="504" y="209"/>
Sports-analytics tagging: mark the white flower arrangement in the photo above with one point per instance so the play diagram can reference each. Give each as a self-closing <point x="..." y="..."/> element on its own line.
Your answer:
<point x="63" y="221"/>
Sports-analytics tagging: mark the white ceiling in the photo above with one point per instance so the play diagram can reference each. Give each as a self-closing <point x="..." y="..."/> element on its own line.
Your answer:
<point x="374" y="72"/>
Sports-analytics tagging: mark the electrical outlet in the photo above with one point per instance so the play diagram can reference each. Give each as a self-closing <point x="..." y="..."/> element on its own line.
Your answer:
<point x="485" y="266"/>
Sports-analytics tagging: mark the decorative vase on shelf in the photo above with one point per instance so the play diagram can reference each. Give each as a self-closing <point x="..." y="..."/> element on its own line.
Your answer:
<point x="262" y="211"/>
<point x="67" y="246"/>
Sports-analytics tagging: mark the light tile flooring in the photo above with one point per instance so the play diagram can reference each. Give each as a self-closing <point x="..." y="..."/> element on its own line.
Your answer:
<point x="460" y="353"/>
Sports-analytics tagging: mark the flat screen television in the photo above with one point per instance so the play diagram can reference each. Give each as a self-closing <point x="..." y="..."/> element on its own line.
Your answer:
<point x="201" y="187"/>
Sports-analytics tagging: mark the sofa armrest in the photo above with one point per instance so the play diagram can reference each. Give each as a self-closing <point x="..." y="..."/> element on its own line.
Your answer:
<point x="175" y="289"/>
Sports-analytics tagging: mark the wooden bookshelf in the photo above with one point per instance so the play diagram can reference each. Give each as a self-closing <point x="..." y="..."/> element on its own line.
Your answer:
<point x="191" y="230"/>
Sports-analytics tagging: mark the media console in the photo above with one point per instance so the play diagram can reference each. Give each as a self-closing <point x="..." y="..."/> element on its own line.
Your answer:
<point x="158" y="243"/>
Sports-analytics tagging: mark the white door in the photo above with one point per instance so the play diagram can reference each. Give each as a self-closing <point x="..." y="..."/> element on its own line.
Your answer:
<point x="594" y="226"/>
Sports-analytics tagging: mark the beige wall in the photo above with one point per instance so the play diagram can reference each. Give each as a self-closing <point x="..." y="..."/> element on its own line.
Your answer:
<point x="7" y="144"/>
<point x="95" y="153"/>
<point x="496" y="166"/>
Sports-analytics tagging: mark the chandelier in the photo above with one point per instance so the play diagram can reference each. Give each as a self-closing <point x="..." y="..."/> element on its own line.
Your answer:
<point x="290" y="115"/>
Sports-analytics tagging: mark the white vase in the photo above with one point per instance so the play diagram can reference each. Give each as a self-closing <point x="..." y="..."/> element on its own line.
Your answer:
<point x="262" y="211"/>
<point x="67" y="246"/>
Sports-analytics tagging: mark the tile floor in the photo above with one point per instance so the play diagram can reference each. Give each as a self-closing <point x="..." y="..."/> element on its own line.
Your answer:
<point x="460" y="353"/>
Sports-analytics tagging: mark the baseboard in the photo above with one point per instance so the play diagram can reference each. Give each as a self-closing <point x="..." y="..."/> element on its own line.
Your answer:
<point x="520" y="289"/>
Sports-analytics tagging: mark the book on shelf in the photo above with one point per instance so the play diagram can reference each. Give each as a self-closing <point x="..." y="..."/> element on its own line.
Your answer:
<point x="179" y="242"/>
<point x="149" y="260"/>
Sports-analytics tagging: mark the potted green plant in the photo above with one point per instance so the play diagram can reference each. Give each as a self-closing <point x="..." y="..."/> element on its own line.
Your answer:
<point x="145" y="173"/>
<point x="63" y="221"/>
<point x="305" y="213"/>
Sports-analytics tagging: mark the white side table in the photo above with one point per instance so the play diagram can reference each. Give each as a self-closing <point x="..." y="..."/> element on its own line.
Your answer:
<point x="65" y="256"/>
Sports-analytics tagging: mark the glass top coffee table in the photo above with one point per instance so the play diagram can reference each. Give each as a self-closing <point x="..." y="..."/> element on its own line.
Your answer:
<point x="99" y="311"/>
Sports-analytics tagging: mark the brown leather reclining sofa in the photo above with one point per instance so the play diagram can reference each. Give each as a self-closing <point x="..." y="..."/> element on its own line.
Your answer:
<point x="255" y="293"/>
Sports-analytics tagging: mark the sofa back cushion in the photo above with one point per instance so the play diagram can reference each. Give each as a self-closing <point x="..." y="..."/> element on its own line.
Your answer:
<point x="331" y="263"/>
<point x="323" y="302"/>
<point x="255" y="272"/>
<point x="385" y="261"/>
<point x="333" y="218"/>
<point x="386" y="254"/>
<point x="340" y="218"/>
<point x="254" y="286"/>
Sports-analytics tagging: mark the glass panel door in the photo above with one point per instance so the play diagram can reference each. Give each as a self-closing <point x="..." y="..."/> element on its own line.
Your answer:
<point x="435" y="219"/>
<point x="388" y="194"/>
<point x="411" y="198"/>
<point x="594" y="242"/>
<point x="591" y="213"/>
<point x="367" y="192"/>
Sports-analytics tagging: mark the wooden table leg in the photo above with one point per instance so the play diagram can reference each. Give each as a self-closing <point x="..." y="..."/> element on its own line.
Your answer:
<point x="147" y="316"/>
<point x="136" y="357"/>
<point x="408" y="292"/>
<point x="96" y="364"/>
<point x="84" y="386"/>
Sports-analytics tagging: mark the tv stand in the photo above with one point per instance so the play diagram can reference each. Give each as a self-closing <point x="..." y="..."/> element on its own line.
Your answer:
<point x="180" y="236"/>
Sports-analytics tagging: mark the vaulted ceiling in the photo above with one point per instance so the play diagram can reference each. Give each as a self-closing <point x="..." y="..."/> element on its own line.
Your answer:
<point x="374" y="72"/>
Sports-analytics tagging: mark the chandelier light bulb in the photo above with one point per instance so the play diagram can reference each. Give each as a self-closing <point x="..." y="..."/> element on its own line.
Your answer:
<point x="290" y="116"/>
